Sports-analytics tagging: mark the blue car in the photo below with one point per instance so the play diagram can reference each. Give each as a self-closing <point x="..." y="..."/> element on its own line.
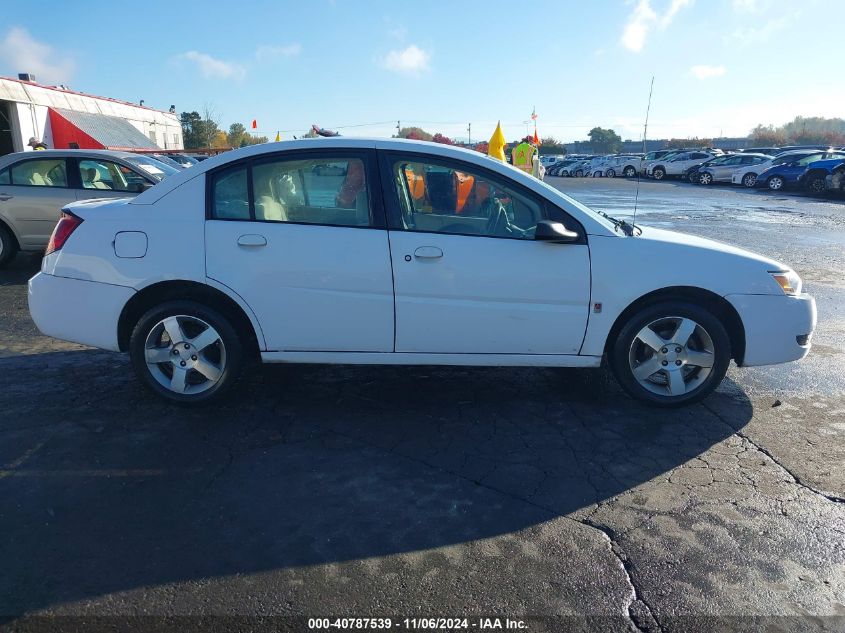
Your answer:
<point x="814" y="178"/>
<point x="787" y="173"/>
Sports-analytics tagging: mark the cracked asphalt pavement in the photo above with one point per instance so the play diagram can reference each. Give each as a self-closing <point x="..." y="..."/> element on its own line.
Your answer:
<point x="420" y="491"/>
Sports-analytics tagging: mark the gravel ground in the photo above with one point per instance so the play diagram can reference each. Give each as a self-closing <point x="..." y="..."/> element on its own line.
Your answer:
<point x="536" y="494"/>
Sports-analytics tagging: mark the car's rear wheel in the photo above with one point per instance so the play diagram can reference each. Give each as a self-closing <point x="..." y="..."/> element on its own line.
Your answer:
<point x="749" y="180"/>
<point x="611" y="173"/>
<point x="775" y="183"/>
<point x="705" y="178"/>
<point x="693" y="176"/>
<point x="8" y="246"/>
<point x="670" y="354"/>
<point x="630" y="172"/>
<point x="579" y="173"/>
<point x="186" y="352"/>
<point x="659" y="173"/>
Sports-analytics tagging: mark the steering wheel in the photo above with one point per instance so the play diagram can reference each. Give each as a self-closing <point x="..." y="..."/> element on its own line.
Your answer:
<point x="498" y="223"/>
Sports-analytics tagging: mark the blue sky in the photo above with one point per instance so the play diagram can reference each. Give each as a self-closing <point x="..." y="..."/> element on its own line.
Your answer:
<point x="719" y="65"/>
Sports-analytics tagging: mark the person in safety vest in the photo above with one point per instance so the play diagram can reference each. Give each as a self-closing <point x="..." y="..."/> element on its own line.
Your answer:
<point x="523" y="156"/>
<point x="34" y="143"/>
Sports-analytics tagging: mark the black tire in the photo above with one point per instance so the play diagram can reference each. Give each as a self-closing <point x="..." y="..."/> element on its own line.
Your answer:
<point x="629" y="172"/>
<point x="658" y="173"/>
<point x="749" y="180"/>
<point x="232" y="345"/>
<point x="816" y="184"/>
<point x="8" y="246"/>
<point x="579" y="173"/>
<point x="619" y="353"/>
<point x="611" y="173"/>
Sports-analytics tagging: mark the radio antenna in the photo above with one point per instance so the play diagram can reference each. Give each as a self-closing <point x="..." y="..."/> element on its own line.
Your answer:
<point x="639" y="171"/>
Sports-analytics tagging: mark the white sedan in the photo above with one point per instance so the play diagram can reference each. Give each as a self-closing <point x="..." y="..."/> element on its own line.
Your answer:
<point x="402" y="252"/>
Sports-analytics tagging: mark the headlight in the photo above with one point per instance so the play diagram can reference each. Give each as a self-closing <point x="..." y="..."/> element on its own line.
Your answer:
<point x="789" y="281"/>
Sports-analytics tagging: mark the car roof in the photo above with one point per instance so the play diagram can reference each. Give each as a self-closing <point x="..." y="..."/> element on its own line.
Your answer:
<point x="8" y="159"/>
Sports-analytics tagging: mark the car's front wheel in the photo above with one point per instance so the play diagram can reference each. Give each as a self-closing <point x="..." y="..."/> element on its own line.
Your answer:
<point x="659" y="173"/>
<point x="186" y="352"/>
<point x="775" y="183"/>
<point x="671" y="354"/>
<point x="630" y="172"/>
<point x="611" y="173"/>
<point x="749" y="180"/>
<point x="705" y="178"/>
<point x="8" y="246"/>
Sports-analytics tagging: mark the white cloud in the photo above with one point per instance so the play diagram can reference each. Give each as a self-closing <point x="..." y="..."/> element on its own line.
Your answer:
<point x="746" y="6"/>
<point x="212" y="68"/>
<point x="266" y="53"/>
<point x="643" y="18"/>
<point x="705" y="72"/>
<point x="24" y="54"/>
<point x="410" y="60"/>
<point x="398" y="33"/>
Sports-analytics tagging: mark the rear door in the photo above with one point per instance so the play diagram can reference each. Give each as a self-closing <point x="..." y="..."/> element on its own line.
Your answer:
<point x="301" y="238"/>
<point x="32" y="194"/>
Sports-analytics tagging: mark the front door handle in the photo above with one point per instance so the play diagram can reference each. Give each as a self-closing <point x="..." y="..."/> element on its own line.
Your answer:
<point x="252" y="240"/>
<point x="428" y="252"/>
<point x="5" y="196"/>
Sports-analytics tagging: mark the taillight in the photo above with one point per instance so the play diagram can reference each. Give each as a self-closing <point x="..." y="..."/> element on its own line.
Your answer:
<point x="68" y="223"/>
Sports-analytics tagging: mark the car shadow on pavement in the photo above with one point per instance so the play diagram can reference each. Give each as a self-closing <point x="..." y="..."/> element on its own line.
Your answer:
<point x="105" y="489"/>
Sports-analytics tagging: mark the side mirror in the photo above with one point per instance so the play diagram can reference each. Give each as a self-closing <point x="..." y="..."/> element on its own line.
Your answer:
<point x="554" y="232"/>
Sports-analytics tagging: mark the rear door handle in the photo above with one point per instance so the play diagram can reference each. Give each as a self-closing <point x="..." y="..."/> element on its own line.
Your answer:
<point x="428" y="252"/>
<point x="252" y="240"/>
<point x="5" y="196"/>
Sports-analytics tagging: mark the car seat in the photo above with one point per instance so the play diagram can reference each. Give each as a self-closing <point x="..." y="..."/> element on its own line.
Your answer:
<point x="267" y="207"/>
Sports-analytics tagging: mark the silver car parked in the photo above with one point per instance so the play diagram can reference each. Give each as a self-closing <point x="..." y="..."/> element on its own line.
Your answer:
<point x="34" y="186"/>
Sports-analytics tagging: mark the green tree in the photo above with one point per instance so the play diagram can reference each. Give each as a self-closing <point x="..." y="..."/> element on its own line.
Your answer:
<point x="550" y="145"/>
<point x="198" y="130"/>
<point x="605" y="140"/>
<point x="801" y="130"/>
<point x="235" y="137"/>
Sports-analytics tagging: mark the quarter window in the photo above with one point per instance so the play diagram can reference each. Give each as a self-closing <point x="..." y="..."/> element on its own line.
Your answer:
<point x="40" y="173"/>
<point x="230" y="195"/>
<point x="5" y="179"/>
<point x="443" y="199"/>
<point x="331" y="191"/>
<point x="108" y="176"/>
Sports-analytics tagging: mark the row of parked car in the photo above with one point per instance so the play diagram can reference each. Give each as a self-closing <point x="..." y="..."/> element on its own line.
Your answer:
<point x="816" y="169"/>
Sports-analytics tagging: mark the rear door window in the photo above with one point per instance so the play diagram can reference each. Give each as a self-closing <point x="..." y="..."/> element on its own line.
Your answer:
<point x="40" y="173"/>
<point x="5" y="179"/>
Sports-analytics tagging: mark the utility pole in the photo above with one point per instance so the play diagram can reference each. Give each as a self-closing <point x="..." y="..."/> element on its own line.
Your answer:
<point x="469" y="134"/>
<point x="398" y="127"/>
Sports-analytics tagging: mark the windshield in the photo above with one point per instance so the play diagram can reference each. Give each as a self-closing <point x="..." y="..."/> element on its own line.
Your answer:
<point x="152" y="167"/>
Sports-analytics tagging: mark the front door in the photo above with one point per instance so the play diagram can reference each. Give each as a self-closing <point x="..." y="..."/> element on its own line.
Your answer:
<point x="469" y="277"/>
<point x="302" y="240"/>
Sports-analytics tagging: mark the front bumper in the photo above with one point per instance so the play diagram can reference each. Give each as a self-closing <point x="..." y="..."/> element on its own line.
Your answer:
<point x="78" y="311"/>
<point x="778" y="328"/>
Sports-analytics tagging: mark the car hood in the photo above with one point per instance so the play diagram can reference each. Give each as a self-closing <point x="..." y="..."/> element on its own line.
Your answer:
<point x="685" y="242"/>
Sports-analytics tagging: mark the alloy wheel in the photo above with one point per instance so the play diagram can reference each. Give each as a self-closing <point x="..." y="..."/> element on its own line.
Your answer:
<point x="672" y="356"/>
<point x="776" y="183"/>
<point x="705" y="178"/>
<point x="185" y="354"/>
<point x="817" y="185"/>
<point x="630" y="172"/>
<point x="749" y="180"/>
